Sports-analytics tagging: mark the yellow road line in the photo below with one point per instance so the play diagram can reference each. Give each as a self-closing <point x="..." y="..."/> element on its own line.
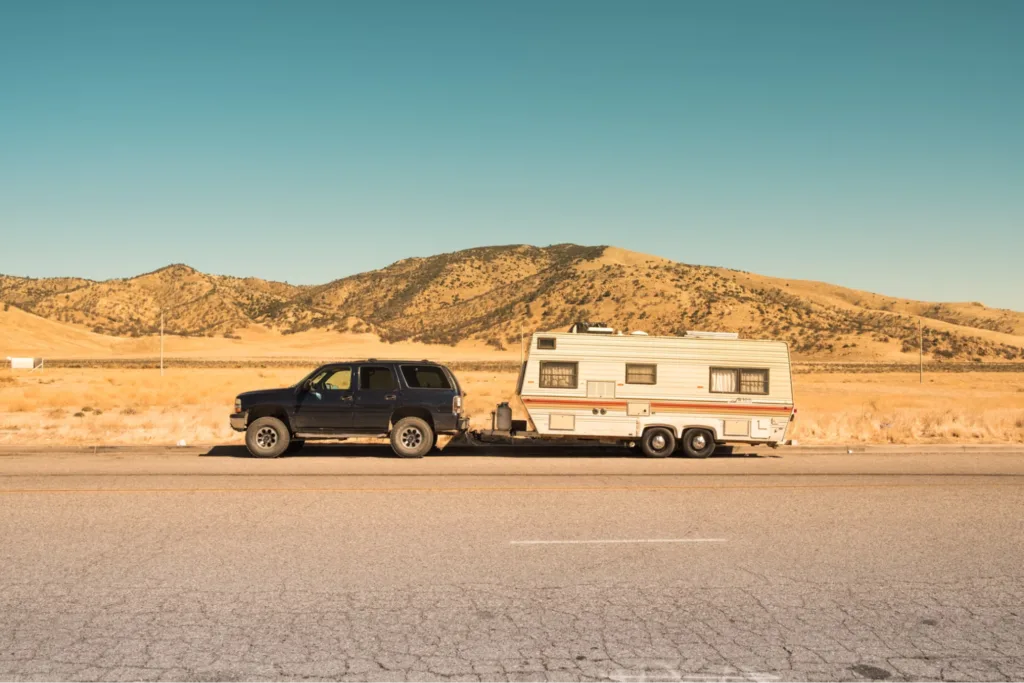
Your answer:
<point x="498" y="489"/>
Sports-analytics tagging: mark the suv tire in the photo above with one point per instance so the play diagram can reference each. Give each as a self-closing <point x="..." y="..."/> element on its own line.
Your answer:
<point x="698" y="443"/>
<point x="658" y="442"/>
<point x="267" y="437"/>
<point x="412" y="437"/>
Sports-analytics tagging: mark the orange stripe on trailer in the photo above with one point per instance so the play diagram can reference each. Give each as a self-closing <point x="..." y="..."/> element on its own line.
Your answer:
<point x="707" y="406"/>
<point x="747" y="407"/>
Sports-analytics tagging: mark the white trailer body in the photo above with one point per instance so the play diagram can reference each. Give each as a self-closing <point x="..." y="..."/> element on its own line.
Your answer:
<point x="617" y="386"/>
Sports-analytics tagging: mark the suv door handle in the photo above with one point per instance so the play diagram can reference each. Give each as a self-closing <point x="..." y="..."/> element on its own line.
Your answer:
<point x="346" y="398"/>
<point x="390" y="397"/>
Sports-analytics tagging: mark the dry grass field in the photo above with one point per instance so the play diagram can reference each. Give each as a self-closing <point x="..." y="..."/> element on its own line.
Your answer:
<point x="107" y="406"/>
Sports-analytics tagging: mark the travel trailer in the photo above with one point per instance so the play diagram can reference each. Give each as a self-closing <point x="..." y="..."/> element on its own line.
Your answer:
<point x="658" y="393"/>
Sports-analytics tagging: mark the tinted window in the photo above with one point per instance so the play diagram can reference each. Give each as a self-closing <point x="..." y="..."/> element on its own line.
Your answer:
<point x="376" y="378"/>
<point x="425" y="377"/>
<point x="546" y="343"/>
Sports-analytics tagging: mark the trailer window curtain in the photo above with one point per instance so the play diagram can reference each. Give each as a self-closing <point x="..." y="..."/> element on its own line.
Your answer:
<point x="753" y="381"/>
<point x="723" y="381"/>
<point x="558" y="375"/>
<point x="641" y="374"/>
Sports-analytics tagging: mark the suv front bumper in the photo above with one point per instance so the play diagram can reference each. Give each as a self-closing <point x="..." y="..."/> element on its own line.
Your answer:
<point x="238" y="421"/>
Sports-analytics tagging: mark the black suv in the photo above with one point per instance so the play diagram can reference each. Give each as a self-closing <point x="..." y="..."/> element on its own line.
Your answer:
<point x="409" y="401"/>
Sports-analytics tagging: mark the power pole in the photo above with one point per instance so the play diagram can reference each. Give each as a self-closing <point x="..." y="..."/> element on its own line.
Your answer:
<point x="522" y="345"/>
<point x="920" y="349"/>
<point x="161" y="342"/>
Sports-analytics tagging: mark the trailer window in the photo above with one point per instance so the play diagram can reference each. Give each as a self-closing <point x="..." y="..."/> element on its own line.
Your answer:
<point x="739" y="381"/>
<point x="637" y="373"/>
<point x="753" y="381"/>
<point x="547" y="343"/>
<point x="559" y="375"/>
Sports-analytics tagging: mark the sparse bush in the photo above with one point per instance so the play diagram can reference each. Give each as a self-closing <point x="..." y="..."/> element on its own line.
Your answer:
<point x="86" y="409"/>
<point x="79" y="414"/>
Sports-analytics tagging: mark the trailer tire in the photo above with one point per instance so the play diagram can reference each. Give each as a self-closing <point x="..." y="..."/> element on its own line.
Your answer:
<point x="267" y="437"/>
<point x="698" y="443"/>
<point x="412" y="437"/>
<point x="658" y="442"/>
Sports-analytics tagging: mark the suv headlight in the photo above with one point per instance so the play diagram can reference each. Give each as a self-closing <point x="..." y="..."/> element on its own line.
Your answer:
<point x="238" y="405"/>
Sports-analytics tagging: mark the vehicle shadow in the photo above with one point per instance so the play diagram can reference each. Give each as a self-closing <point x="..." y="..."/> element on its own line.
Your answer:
<point x="379" y="450"/>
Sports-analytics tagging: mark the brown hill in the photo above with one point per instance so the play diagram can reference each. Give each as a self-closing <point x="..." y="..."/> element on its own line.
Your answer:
<point x="193" y="303"/>
<point x="486" y="294"/>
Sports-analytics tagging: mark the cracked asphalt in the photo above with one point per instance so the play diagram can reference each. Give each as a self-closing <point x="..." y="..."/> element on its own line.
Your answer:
<point x="164" y="565"/>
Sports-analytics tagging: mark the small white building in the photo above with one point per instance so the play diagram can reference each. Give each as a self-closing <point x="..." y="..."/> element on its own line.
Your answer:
<point x="25" y="363"/>
<point x="696" y="390"/>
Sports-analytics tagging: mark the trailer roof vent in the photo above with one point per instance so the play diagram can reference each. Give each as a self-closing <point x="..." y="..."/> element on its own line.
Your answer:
<point x="590" y="328"/>
<point x="696" y="334"/>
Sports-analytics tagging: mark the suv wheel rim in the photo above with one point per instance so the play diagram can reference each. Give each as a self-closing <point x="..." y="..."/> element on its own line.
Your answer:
<point x="411" y="437"/>
<point x="699" y="442"/>
<point x="658" y="442"/>
<point x="266" y="438"/>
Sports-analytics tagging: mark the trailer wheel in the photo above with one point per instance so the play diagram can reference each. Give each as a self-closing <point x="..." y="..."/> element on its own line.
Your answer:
<point x="658" y="442"/>
<point x="698" y="443"/>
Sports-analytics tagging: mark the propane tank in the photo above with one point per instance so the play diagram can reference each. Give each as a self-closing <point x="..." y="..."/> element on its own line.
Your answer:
<point x="503" y="417"/>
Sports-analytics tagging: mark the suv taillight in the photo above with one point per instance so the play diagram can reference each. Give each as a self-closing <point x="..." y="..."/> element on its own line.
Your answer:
<point x="457" y="405"/>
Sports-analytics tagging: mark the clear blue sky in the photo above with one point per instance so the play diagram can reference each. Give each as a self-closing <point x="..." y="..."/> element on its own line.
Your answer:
<point x="878" y="145"/>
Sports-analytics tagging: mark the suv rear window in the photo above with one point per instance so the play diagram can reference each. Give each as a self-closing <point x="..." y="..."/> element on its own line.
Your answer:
<point x="425" y="377"/>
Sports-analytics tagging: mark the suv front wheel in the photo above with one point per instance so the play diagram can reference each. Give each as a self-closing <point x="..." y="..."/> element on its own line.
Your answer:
<point x="412" y="437"/>
<point x="267" y="437"/>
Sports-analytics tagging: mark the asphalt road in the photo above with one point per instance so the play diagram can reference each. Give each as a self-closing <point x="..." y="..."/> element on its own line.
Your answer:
<point x="191" y="564"/>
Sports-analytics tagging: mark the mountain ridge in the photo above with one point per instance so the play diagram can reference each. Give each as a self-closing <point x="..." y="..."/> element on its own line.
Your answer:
<point x="487" y="293"/>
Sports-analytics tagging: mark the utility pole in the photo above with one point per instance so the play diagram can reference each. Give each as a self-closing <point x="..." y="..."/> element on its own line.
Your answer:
<point x="920" y="348"/>
<point x="161" y="342"/>
<point x="522" y="345"/>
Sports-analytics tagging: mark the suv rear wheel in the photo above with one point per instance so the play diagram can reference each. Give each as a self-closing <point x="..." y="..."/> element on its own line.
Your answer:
<point x="412" y="437"/>
<point x="267" y="437"/>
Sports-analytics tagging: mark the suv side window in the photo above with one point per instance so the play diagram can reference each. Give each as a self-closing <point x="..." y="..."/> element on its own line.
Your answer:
<point x="333" y="379"/>
<point x="339" y="379"/>
<point x="425" y="377"/>
<point x="376" y="378"/>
